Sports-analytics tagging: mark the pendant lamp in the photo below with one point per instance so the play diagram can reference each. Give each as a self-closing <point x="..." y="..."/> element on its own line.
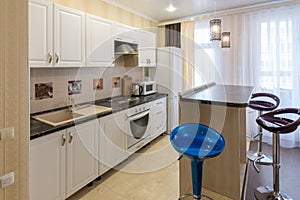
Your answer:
<point x="225" y="40"/>
<point x="215" y="29"/>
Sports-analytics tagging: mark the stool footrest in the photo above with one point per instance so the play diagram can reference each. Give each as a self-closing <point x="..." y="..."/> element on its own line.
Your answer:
<point x="194" y="196"/>
<point x="264" y="160"/>
<point x="267" y="193"/>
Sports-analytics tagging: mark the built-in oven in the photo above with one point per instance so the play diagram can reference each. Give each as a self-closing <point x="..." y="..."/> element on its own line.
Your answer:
<point x="138" y="125"/>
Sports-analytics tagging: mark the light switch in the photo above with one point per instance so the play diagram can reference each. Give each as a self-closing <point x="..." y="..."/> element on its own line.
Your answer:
<point x="6" y="133"/>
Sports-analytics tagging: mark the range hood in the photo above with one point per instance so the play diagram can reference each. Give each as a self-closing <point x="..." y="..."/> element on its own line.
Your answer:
<point x="126" y="54"/>
<point x="125" y="48"/>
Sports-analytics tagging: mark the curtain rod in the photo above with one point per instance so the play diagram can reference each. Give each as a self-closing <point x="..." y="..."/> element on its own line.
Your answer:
<point x="231" y="11"/>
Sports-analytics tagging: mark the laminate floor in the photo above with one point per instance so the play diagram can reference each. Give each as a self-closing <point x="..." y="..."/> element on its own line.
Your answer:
<point x="289" y="173"/>
<point x="151" y="174"/>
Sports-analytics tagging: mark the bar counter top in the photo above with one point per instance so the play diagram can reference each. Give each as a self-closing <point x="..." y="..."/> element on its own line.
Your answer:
<point x="227" y="95"/>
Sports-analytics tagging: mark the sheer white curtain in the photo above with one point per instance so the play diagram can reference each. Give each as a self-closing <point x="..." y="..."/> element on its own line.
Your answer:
<point x="187" y="44"/>
<point x="276" y="59"/>
<point x="265" y="53"/>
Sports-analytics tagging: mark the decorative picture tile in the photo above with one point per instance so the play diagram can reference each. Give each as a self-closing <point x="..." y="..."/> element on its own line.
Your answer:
<point x="43" y="90"/>
<point x="98" y="84"/>
<point x="74" y="87"/>
<point x="116" y="82"/>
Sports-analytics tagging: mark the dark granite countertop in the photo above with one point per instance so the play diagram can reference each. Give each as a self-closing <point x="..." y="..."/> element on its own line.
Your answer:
<point x="39" y="129"/>
<point x="227" y="95"/>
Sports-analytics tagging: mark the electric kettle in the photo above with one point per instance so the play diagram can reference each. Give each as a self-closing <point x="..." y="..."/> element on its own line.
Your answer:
<point x="137" y="90"/>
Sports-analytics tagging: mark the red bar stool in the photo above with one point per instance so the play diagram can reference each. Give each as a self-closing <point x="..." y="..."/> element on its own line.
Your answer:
<point x="261" y="105"/>
<point x="277" y="123"/>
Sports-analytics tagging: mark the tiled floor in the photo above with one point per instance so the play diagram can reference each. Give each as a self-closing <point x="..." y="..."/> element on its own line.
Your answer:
<point x="150" y="174"/>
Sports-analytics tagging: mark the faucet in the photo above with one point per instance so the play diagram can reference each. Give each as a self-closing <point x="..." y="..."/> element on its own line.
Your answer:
<point x="72" y="107"/>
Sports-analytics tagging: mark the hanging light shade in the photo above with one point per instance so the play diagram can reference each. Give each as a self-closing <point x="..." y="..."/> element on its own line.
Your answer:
<point x="225" y="40"/>
<point x="215" y="29"/>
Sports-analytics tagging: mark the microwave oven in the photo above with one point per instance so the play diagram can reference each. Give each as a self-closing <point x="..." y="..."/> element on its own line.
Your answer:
<point x="143" y="88"/>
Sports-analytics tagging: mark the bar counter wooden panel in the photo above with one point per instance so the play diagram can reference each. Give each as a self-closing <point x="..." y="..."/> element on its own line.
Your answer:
<point x="222" y="173"/>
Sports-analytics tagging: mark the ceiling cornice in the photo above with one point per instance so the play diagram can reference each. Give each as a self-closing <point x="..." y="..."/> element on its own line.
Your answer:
<point x="130" y="10"/>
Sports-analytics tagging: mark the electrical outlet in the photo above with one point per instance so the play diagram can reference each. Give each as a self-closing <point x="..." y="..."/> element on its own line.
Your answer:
<point x="6" y="133"/>
<point x="7" y="179"/>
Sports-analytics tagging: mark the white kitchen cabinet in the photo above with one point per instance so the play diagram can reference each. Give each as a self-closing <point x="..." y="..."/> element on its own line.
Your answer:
<point x="47" y="167"/>
<point x="40" y="33"/>
<point x="82" y="154"/>
<point x="125" y="33"/>
<point x="69" y="37"/>
<point x="56" y="35"/>
<point x="99" y="38"/>
<point x="63" y="162"/>
<point x="112" y="141"/>
<point x="158" y="117"/>
<point x="147" y="49"/>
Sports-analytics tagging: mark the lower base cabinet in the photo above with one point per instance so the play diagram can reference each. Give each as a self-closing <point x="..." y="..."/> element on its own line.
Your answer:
<point x="112" y="141"/>
<point x="63" y="162"/>
<point x="47" y="167"/>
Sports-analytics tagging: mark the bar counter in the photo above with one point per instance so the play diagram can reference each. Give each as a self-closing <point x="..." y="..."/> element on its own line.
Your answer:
<point x="223" y="108"/>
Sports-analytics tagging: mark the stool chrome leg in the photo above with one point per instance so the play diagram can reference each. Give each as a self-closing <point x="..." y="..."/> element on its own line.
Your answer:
<point x="266" y="192"/>
<point x="259" y="156"/>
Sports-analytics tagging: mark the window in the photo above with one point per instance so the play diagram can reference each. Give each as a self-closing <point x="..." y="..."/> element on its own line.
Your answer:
<point x="276" y="69"/>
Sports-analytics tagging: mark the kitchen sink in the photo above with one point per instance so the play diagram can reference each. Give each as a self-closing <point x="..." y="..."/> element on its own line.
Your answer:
<point x="64" y="116"/>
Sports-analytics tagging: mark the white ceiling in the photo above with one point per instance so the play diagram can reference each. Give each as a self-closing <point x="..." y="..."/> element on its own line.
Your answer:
<point x="155" y="9"/>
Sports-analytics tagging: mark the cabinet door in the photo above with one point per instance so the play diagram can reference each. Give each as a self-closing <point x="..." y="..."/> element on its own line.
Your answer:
<point x="126" y="33"/>
<point x="40" y="33"/>
<point x="47" y="167"/>
<point x="112" y="141"/>
<point x="159" y="117"/>
<point x="147" y="49"/>
<point x="82" y="151"/>
<point x="69" y="37"/>
<point x="99" y="41"/>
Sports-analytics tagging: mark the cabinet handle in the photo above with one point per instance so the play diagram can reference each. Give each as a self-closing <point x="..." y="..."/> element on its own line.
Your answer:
<point x="50" y="57"/>
<point x="70" y="137"/>
<point x="159" y="103"/>
<point x="63" y="140"/>
<point x="57" y="57"/>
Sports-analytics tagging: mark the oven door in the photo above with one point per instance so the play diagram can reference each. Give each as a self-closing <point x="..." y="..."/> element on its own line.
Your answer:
<point x="138" y="127"/>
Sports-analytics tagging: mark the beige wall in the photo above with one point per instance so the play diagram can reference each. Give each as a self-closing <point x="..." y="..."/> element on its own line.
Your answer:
<point x="14" y="95"/>
<point x="106" y="10"/>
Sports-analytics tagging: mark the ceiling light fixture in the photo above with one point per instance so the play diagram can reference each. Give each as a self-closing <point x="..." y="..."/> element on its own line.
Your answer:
<point x="215" y="29"/>
<point x="171" y="8"/>
<point x="226" y="40"/>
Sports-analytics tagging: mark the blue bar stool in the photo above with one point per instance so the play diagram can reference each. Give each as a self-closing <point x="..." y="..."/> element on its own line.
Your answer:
<point x="278" y="122"/>
<point x="198" y="142"/>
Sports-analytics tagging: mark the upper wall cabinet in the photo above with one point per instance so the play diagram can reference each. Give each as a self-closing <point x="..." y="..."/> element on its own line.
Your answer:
<point x="99" y="38"/>
<point x="124" y="32"/>
<point x="69" y="37"/>
<point x="65" y="37"/>
<point x="147" y="49"/>
<point x="40" y="34"/>
<point x="56" y="35"/>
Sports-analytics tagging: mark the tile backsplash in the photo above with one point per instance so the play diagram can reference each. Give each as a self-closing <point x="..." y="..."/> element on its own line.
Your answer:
<point x="78" y="82"/>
